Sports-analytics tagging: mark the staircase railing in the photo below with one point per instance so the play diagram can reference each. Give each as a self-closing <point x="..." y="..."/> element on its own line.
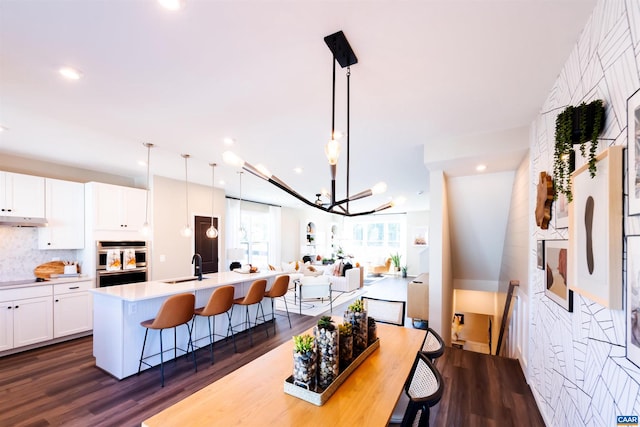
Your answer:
<point x="505" y="315"/>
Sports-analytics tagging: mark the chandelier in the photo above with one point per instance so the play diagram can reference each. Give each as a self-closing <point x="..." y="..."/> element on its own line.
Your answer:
<point x="343" y="55"/>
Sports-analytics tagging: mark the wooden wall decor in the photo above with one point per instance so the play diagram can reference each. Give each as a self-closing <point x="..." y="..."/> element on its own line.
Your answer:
<point x="544" y="200"/>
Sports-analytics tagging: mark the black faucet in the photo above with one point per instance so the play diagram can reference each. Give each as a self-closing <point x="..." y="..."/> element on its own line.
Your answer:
<point x="197" y="260"/>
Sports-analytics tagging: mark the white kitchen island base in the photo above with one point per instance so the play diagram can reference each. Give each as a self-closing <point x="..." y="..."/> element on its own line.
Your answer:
<point x="118" y="311"/>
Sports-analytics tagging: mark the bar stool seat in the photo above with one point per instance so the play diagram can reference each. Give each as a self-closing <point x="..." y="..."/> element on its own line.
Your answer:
<point x="255" y="295"/>
<point x="278" y="289"/>
<point x="220" y="301"/>
<point x="175" y="311"/>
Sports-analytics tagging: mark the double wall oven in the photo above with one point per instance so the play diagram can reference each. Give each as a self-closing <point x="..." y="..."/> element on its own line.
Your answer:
<point x="121" y="262"/>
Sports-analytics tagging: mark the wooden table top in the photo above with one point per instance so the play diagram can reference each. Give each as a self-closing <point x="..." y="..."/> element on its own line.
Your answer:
<point x="254" y="394"/>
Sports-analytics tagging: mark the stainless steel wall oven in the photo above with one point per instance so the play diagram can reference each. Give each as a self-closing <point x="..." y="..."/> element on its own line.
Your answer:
<point x="121" y="262"/>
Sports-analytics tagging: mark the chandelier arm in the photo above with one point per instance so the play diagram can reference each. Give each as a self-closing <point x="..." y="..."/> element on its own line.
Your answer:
<point x="348" y="130"/>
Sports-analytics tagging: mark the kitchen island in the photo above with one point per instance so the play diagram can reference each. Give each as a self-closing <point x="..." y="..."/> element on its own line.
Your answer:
<point x="118" y="311"/>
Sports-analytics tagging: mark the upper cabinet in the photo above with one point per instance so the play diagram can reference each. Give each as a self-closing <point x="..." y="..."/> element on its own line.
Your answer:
<point x="116" y="207"/>
<point x="21" y="195"/>
<point x="64" y="208"/>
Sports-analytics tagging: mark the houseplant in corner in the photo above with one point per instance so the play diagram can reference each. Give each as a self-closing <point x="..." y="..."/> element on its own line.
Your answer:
<point x="304" y="361"/>
<point x="327" y="339"/>
<point x="395" y="259"/>
<point x="576" y="125"/>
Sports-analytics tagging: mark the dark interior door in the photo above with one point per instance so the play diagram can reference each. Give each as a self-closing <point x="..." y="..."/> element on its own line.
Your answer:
<point x="206" y="247"/>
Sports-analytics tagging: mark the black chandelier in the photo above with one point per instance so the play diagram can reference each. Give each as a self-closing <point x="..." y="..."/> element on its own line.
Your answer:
<point x="343" y="55"/>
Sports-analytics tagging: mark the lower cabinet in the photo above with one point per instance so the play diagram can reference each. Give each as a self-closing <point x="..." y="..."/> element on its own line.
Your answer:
<point x="26" y="321"/>
<point x="72" y="308"/>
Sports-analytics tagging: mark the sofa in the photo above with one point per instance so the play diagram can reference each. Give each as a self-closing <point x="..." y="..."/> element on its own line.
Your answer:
<point x="352" y="279"/>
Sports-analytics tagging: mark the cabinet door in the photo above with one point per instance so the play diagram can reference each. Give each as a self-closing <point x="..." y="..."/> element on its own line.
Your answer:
<point x="32" y="321"/>
<point x="6" y="326"/>
<point x="72" y="313"/>
<point x="21" y="195"/>
<point x="65" y="214"/>
<point x="133" y="208"/>
<point x="107" y="200"/>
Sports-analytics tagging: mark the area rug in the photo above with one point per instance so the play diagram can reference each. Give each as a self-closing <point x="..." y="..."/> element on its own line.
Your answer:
<point x="370" y="280"/>
<point x="315" y="307"/>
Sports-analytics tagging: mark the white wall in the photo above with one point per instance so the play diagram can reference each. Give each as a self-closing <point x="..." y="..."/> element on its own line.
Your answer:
<point x="577" y="367"/>
<point x="415" y="258"/>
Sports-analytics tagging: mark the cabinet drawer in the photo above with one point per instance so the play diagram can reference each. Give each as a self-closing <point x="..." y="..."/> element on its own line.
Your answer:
<point x="23" y="293"/>
<point x="67" y="288"/>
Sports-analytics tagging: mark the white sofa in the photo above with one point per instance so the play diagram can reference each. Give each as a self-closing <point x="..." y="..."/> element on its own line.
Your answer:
<point x="351" y="281"/>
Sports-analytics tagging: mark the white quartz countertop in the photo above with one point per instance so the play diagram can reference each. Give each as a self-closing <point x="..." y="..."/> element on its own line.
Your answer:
<point x="160" y="288"/>
<point x="27" y="283"/>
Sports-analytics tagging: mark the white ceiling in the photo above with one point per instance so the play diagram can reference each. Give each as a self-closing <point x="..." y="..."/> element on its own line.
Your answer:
<point x="429" y="72"/>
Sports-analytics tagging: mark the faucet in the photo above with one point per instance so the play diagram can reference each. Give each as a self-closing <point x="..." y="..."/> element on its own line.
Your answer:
<point x="197" y="261"/>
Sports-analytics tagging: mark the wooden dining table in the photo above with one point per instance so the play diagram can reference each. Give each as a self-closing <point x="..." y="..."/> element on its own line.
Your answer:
<point x="253" y="395"/>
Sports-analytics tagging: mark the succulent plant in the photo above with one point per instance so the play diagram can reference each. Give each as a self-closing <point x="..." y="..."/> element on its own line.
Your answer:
<point x="356" y="307"/>
<point x="303" y="343"/>
<point x="326" y="322"/>
<point x="345" y="329"/>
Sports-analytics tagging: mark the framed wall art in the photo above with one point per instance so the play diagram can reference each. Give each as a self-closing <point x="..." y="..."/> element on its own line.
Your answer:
<point x="561" y="211"/>
<point x="555" y="260"/>
<point x="633" y="299"/>
<point x="595" y="230"/>
<point x="633" y="152"/>
<point x="540" y="254"/>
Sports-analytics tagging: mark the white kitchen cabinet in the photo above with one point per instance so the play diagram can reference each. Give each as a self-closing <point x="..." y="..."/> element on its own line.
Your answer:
<point x="72" y="308"/>
<point x="116" y="207"/>
<point x="64" y="208"/>
<point x="27" y="316"/>
<point x="21" y="195"/>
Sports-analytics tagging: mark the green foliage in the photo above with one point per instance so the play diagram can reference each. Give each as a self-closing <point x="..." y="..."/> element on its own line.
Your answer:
<point x="303" y="343"/>
<point x="345" y="329"/>
<point x="356" y="307"/>
<point x="326" y="322"/>
<point x="395" y="259"/>
<point x="564" y="142"/>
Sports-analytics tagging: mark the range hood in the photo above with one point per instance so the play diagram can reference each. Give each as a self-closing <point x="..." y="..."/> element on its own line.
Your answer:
<point x="21" y="221"/>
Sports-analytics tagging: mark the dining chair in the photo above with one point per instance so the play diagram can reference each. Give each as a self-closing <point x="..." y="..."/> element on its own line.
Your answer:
<point x="432" y="346"/>
<point x="422" y="390"/>
<point x="175" y="311"/>
<point x="220" y="301"/>
<point x="385" y="311"/>
<point x="254" y="295"/>
<point x="278" y="290"/>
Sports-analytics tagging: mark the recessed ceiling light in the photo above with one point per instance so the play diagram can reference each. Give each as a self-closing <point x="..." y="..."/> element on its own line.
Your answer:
<point x="70" y="73"/>
<point x="297" y="170"/>
<point x="142" y="163"/>
<point x="222" y="183"/>
<point x="2" y="128"/>
<point x="172" y="4"/>
<point x="481" y="168"/>
<point x="229" y="141"/>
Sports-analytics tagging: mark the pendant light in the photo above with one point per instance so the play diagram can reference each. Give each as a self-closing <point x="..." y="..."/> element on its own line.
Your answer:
<point x="212" y="233"/>
<point x="186" y="230"/>
<point x="145" y="227"/>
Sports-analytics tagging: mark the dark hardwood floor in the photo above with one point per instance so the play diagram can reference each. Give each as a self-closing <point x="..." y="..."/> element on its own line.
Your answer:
<point x="60" y="385"/>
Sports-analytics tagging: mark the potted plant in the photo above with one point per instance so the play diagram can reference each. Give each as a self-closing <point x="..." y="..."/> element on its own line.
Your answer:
<point x="304" y="361"/>
<point x="372" y="332"/>
<point x="345" y="346"/>
<point x="326" y="336"/>
<point x="357" y="316"/>
<point x="576" y="125"/>
<point x="404" y="271"/>
<point x="395" y="259"/>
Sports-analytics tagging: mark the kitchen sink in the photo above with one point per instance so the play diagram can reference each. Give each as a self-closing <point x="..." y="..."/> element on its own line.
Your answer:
<point x="188" y="279"/>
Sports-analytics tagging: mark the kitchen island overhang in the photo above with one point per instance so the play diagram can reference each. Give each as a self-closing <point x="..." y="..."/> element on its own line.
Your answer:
<point x="118" y="311"/>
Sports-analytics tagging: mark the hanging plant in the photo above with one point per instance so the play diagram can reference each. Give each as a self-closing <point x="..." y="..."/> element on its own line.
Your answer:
<point x="576" y="125"/>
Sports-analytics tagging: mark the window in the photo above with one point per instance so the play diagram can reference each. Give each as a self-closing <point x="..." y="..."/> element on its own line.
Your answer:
<point x="255" y="237"/>
<point x="374" y="238"/>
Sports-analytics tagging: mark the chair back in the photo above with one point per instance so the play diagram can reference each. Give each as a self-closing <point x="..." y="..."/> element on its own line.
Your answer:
<point x="424" y="386"/>
<point x="433" y="345"/>
<point x="280" y="287"/>
<point x="175" y="310"/>
<point x="315" y="287"/>
<point x="256" y="292"/>
<point x="220" y="301"/>
<point x="385" y="311"/>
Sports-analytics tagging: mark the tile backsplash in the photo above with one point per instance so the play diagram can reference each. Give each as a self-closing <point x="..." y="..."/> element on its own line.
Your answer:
<point x="19" y="253"/>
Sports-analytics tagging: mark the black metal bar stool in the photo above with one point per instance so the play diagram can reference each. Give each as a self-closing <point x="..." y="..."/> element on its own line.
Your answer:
<point x="255" y="295"/>
<point x="278" y="289"/>
<point x="175" y="311"/>
<point x="220" y="301"/>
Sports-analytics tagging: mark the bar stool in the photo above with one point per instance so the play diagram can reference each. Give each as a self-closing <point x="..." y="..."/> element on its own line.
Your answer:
<point x="278" y="289"/>
<point x="220" y="301"/>
<point x="175" y="311"/>
<point x="254" y="296"/>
